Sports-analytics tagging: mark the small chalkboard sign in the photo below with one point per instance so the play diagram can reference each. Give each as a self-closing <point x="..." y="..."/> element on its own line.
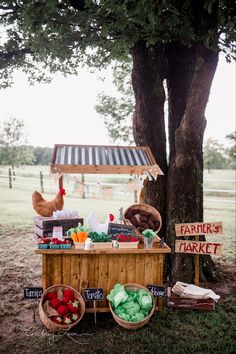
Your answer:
<point x="117" y="229"/>
<point x="157" y="291"/>
<point x="93" y="294"/>
<point x="33" y="293"/>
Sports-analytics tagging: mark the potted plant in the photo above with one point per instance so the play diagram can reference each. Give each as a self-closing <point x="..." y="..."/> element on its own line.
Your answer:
<point x="148" y="237"/>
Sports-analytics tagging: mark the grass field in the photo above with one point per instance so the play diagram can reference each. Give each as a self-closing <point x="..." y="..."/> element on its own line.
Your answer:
<point x="16" y="207"/>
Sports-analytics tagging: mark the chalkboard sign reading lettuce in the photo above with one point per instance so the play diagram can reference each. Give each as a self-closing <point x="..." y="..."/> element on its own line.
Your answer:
<point x="117" y="229"/>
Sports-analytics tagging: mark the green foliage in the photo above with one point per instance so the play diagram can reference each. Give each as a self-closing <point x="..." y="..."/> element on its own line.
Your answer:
<point x="13" y="148"/>
<point x="117" y="111"/>
<point x="231" y="151"/>
<point x="217" y="156"/>
<point x="214" y="155"/>
<point x="60" y="35"/>
<point x="42" y="155"/>
<point x="102" y="237"/>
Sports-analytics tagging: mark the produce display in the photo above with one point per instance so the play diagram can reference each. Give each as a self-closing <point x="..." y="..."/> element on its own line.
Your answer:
<point x="147" y="222"/>
<point x="79" y="233"/>
<point x="54" y="243"/>
<point x="126" y="238"/>
<point x="132" y="306"/>
<point x="142" y="219"/>
<point x="62" y="306"/>
<point x="60" y="244"/>
<point x="99" y="237"/>
<point x="149" y="233"/>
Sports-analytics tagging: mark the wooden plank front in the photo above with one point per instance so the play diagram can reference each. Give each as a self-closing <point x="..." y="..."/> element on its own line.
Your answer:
<point x="66" y="270"/>
<point x="101" y="269"/>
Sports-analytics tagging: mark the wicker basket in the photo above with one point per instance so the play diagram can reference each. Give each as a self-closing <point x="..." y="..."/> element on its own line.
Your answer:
<point x="52" y="326"/>
<point x="147" y="208"/>
<point x="133" y="325"/>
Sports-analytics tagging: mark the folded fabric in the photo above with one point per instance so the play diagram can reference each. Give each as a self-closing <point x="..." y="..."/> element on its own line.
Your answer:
<point x="194" y="292"/>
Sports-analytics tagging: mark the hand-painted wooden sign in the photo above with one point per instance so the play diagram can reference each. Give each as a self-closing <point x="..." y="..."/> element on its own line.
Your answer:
<point x="195" y="247"/>
<point x="191" y="229"/>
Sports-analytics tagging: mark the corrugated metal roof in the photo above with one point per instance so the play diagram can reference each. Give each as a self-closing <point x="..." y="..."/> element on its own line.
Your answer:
<point x="106" y="159"/>
<point x="101" y="155"/>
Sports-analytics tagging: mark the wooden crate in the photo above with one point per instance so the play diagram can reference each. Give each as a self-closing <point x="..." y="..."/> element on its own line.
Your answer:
<point x="102" y="245"/>
<point x="47" y="233"/>
<point x="176" y="301"/>
<point x="44" y="225"/>
<point x="47" y="223"/>
<point x="128" y="244"/>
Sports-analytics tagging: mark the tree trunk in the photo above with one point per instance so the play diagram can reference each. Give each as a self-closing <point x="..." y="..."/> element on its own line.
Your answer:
<point x="189" y="73"/>
<point x="185" y="177"/>
<point x="148" y="121"/>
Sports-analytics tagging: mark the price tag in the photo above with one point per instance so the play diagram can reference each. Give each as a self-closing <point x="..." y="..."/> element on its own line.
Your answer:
<point x="58" y="232"/>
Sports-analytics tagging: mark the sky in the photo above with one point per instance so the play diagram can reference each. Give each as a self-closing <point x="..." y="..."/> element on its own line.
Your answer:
<point x="63" y="112"/>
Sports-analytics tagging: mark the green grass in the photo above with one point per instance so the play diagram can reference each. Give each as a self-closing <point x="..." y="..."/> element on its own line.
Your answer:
<point x="178" y="331"/>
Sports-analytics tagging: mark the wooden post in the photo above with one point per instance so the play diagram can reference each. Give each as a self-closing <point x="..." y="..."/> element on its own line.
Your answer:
<point x="10" y="178"/>
<point x="41" y="181"/>
<point x="82" y="181"/>
<point x="13" y="173"/>
<point x="196" y="265"/>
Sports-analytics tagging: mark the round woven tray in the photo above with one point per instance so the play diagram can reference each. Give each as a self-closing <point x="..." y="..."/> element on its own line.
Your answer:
<point x="133" y="325"/>
<point x="52" y="326"/>
<point x="147" y="208"/>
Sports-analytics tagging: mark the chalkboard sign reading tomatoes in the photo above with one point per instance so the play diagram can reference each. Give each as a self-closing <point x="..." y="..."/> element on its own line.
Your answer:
<point x="93" y="294"/>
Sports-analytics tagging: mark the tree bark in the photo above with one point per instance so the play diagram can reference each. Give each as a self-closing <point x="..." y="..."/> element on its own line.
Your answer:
<point x="148" y="121"/>
<point x="185" y="177"/>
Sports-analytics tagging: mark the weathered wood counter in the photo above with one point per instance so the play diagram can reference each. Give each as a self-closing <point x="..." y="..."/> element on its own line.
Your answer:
<point x="102" y="268"/>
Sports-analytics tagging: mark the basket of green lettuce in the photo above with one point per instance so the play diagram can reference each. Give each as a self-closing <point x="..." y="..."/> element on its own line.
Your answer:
<point x="131" y="305"/>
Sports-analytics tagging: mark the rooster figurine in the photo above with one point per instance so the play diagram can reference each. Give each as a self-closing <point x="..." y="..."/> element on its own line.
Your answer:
<point x="93" y="223"/>
<point x="46" y="208"/>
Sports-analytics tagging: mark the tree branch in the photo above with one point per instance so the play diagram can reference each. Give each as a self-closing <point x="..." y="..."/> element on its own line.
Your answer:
<point x="7" y="56"/>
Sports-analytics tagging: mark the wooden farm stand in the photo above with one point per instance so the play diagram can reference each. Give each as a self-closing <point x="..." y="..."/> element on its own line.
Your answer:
<point x="103" y="268"/>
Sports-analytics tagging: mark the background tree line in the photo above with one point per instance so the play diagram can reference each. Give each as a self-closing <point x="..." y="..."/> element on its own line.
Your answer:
<point x="15" y="151"/>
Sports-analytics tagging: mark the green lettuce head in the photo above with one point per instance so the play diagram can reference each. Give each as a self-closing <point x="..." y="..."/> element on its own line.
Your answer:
<point x="144" y="300"/>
